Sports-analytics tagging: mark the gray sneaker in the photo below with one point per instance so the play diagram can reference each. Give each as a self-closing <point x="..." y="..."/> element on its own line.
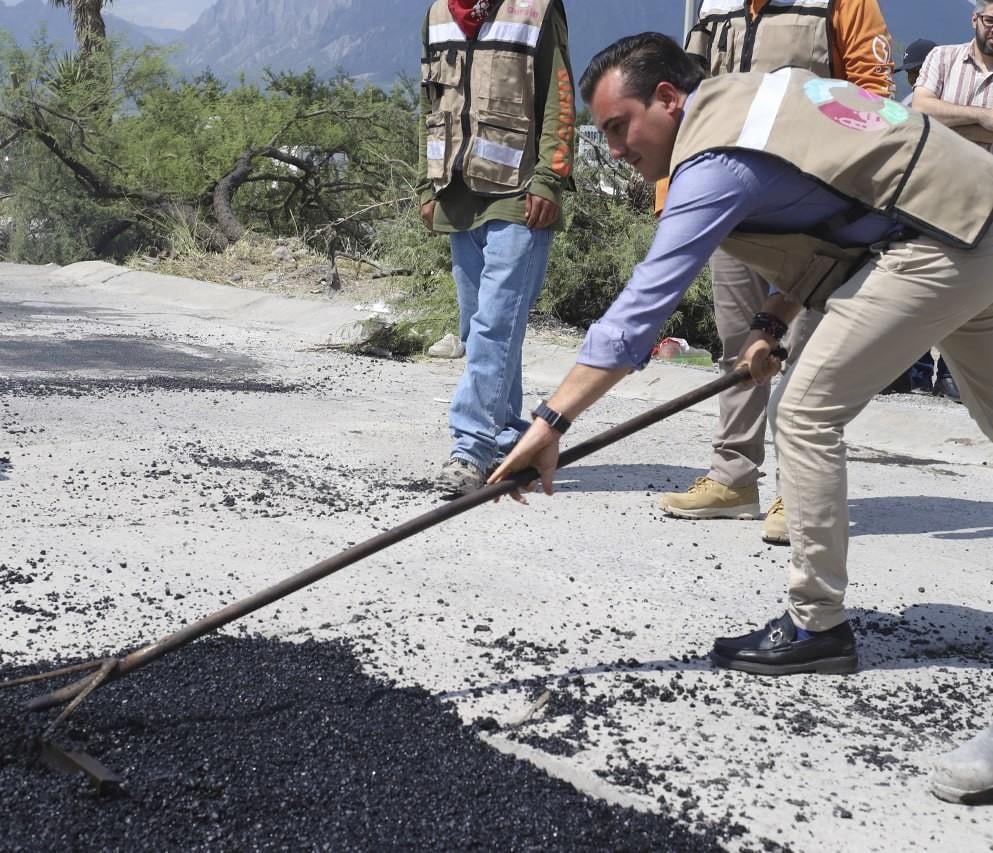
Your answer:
<point x="965" y="775"/>
<point x="459" y="477"/>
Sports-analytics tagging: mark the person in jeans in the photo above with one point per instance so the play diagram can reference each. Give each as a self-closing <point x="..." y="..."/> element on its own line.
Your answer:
<point x="496" y="140"/>
<point x="845" y="39"/>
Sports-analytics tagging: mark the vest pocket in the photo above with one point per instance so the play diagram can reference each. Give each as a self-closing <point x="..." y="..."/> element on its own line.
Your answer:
<point x="439" y="75"/>
<point x="501" y="80"/>
<point x="439" y="141"/>
<point x="499" y="150"/>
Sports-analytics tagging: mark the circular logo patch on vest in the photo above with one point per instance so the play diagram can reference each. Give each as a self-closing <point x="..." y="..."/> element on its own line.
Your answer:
<point x="854" y="108"/>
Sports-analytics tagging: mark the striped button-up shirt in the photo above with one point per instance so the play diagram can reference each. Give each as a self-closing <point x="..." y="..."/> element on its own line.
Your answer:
<point x="953" y="74"/>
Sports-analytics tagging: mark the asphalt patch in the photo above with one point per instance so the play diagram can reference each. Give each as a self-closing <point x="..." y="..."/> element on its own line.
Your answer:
<point x="255" y="744"/>
<point x="91" y="387"/>
<point x="120" y="353"/>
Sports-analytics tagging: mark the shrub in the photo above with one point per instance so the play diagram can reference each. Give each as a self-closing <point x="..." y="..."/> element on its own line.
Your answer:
<point x="608" y="229"/>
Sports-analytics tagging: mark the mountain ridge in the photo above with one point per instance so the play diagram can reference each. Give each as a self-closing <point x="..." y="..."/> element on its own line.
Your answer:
<point x="376" y="40"/>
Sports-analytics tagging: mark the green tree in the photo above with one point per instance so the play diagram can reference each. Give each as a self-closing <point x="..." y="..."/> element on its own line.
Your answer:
<point x="124" y="135"/>
<point x="87" y="21"/>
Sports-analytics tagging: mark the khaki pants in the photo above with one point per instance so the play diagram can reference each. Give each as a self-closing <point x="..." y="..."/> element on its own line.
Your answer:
<point x="916" y="295"/>
<point x="739" y="441"/>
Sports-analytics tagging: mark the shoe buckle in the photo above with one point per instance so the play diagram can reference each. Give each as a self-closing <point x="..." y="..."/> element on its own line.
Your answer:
<point x="776" y="634"/>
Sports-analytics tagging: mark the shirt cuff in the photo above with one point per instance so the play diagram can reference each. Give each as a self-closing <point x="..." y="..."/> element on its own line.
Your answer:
<point x="607" y="347"/>
<point x="548" y="190"/>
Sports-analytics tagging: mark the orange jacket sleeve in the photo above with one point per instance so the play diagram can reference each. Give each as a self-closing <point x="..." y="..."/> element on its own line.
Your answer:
<point x="863" y="49"/>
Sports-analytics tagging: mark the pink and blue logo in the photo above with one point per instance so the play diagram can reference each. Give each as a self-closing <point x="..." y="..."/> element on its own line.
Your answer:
<point x="862" y="110"/>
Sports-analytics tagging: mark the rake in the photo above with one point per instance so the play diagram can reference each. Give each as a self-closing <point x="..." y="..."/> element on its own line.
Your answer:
<point x="100" y="671"/>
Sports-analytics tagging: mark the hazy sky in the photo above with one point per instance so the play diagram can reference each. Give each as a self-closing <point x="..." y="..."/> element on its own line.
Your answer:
<point x="179" y="14"/>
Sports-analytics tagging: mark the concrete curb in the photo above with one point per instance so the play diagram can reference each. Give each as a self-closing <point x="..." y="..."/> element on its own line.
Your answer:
<point x="918" y="427"/>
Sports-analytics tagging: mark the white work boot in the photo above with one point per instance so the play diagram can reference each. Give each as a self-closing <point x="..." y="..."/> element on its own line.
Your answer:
<point x="965" y="775"/>
<point x="448" y="347"/>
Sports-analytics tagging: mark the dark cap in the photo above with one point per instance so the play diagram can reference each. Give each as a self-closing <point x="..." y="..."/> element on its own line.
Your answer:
<point x="915" y="54"/>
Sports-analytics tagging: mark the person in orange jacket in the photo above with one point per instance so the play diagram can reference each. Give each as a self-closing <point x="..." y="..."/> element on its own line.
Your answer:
<point x="844" y="39"/>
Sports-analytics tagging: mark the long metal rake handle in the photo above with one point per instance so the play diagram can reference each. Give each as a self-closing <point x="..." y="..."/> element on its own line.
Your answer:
<point x="110" y="669"/>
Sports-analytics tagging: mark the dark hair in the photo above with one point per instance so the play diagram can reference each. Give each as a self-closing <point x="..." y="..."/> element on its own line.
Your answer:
<point x="646" y="60"/>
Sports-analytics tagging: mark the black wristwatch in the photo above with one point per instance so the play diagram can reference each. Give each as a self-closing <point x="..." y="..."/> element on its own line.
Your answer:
<point x="556" y="420"/>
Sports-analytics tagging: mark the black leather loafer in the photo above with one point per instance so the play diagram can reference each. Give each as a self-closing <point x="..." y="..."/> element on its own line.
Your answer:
<point x="775" y="650"/>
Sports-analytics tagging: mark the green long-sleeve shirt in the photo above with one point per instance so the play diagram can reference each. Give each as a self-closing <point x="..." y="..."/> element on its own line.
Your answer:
<point x="458" y="208"/>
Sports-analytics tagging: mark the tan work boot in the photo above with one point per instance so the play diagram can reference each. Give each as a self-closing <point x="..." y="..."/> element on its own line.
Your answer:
<point x="707" y="498"/>
<point x="774" y="530"/>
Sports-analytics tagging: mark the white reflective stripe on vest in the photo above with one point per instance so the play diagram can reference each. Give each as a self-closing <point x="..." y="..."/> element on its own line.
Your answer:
<point x="720" y="7"/>
<point x="724" y="7"/>
<point x="442" y="33"/>
<point x="763" y="111"/>
<point x="436" y="149"/>
<point x="508" y="31"/>
<point x="497" y="153"/>
<point x="808" y="4"/>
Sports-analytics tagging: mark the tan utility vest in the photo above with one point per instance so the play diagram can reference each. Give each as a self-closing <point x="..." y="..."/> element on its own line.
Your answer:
<point x="785" y="32"/>
<point x="482" y="97"/>
<point x="870" y="150"/>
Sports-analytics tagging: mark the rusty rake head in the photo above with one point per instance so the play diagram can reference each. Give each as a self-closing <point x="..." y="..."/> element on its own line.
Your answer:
<point x="97" y="672"/>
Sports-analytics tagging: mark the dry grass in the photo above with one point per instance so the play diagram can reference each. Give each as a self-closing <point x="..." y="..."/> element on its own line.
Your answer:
<point x="285" y="266"/>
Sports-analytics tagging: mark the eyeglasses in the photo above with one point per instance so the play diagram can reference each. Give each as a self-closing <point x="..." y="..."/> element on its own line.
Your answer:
<point x="986" y="21"/>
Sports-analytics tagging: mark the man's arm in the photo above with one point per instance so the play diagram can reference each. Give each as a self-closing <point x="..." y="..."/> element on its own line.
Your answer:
<point x="862" y="46"/>
<point x="555" y="101"/>
<point x="584" y="385"/>
<point x="539" y="446"/>
<point x="975" y="133"/>
<point x="929" y="96"/>
<point x="952" y="115"/>
<point x="423" y="189"/>
<point x="710" y="197"/>
<point x="757" y="352"/>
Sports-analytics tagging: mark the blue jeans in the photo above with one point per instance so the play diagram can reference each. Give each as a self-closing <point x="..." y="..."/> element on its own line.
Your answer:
<point x="499" y="269"/>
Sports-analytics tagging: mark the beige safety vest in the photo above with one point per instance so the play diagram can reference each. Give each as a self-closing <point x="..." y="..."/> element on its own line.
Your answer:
<point x="785" y="32"/>
<point x="868" y="149"/>
<point x="482" y="98"/>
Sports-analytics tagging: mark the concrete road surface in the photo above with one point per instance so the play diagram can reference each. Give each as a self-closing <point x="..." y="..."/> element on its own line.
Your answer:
<point x="167" y="446"/>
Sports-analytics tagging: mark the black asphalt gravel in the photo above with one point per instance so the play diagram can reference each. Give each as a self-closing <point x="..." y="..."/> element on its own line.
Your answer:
<point x="253" y="744"/>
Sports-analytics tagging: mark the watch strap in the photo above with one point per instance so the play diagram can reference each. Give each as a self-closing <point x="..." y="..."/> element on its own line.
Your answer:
<point x="556" y="420"/>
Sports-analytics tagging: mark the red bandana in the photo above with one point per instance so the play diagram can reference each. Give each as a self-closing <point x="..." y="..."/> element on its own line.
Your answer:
<point x="470" y="14"/>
